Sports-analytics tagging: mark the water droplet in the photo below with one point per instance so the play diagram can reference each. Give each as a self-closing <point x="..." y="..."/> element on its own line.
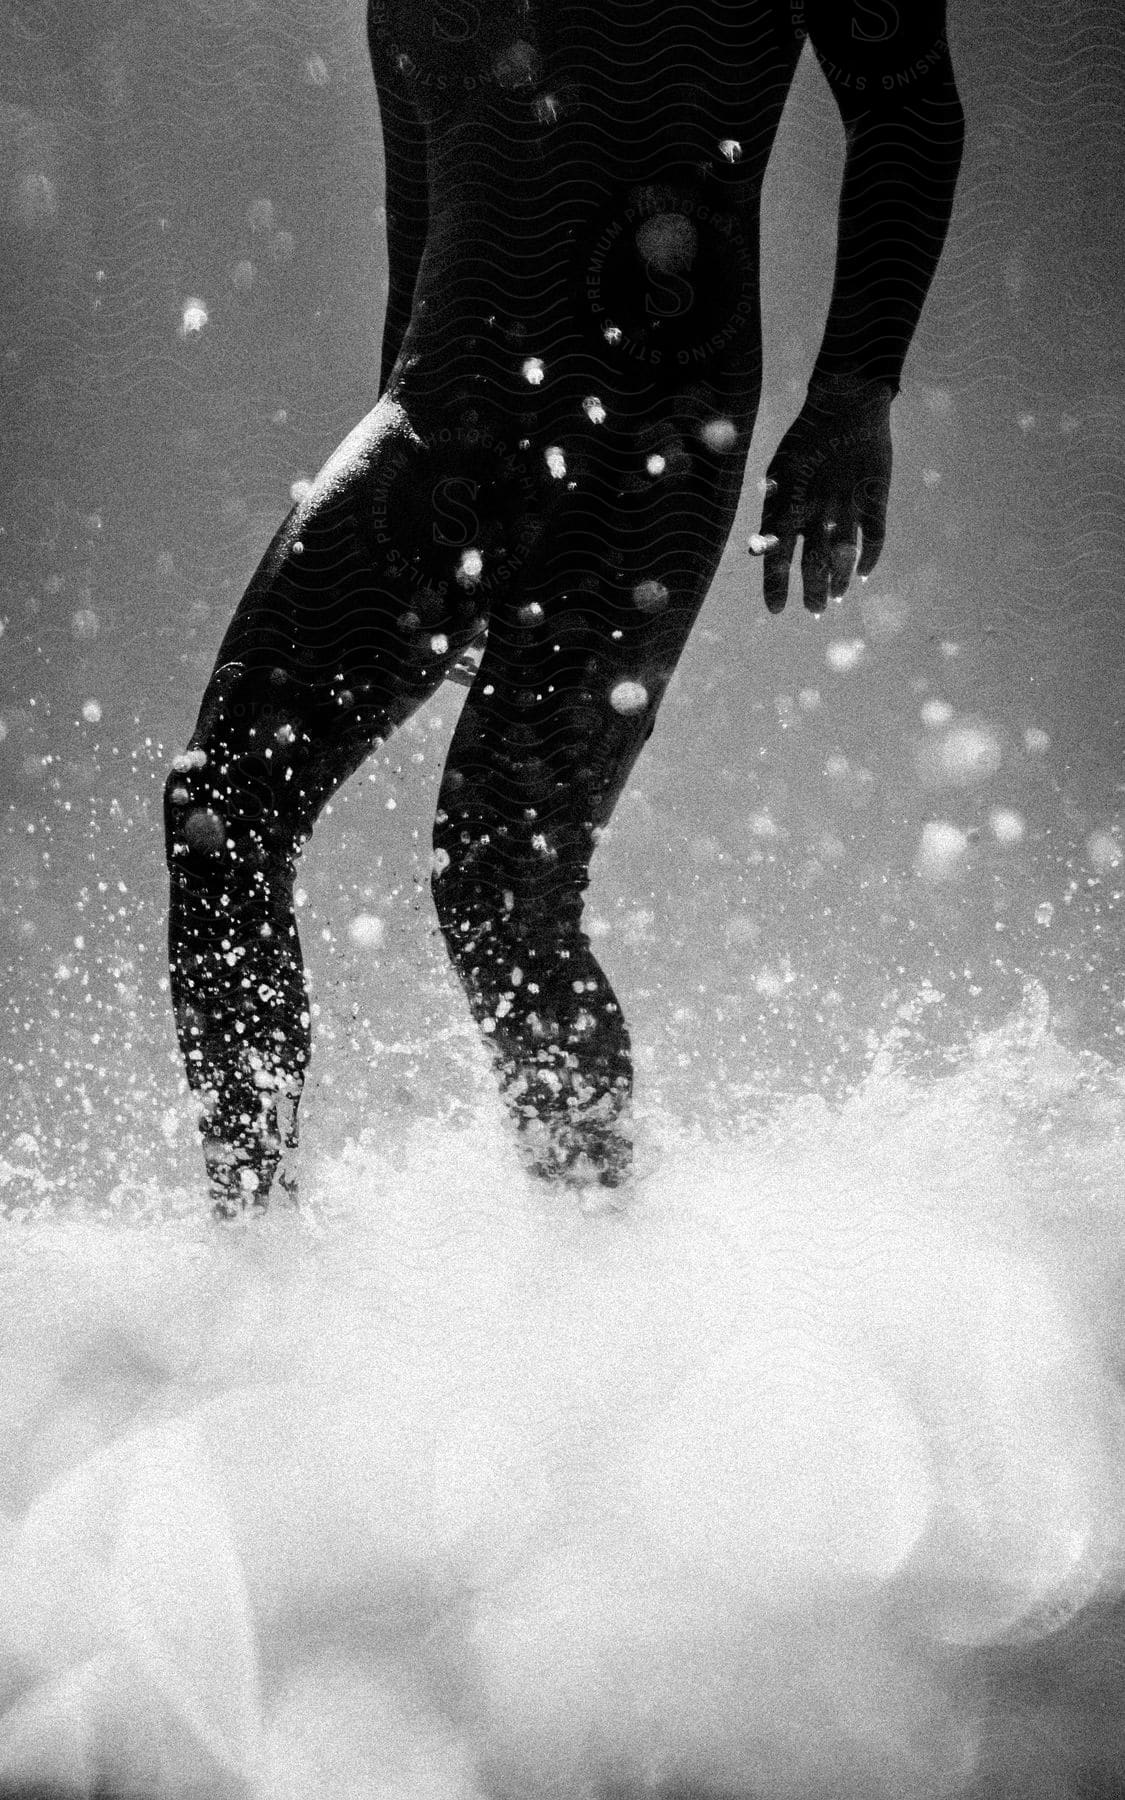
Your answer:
<point x="470" y="568"/>
<point x="37" y="198"/>
<point x="367" y="931"/>
<point x="844" y="654"/>
<point x="969" y="753"/>
<point x="518" y="65"/>
<point x="1104" y="850"/>
<point x="204" y="829"/>
<point x="628" y="697"/>
<point x="940" y="852"/>
<point x="668" y="241"/>
<point x="650" y="596"/>
<point x="1007" y="825"/>
<point x="193" y="317"/>
<point x="719" y="434"/>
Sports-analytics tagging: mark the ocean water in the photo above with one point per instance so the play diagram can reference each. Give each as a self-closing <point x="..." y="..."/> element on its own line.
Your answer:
<point x="801" y="1473"/>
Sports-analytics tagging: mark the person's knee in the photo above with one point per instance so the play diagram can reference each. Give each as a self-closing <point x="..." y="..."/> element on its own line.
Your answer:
<point x="224" y="822"/>
<point x="195" y="829"/>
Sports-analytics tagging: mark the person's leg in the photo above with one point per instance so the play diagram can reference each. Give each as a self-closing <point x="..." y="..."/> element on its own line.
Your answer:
<point x="564" y="701"/>
<point x="331" y="648"/>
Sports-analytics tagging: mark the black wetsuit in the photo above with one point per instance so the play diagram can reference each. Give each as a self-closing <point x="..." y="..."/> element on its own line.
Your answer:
<point x="571" y="370"/>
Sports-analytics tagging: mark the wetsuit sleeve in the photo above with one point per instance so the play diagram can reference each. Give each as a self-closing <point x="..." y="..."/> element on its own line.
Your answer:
<point x="887" y="63"/>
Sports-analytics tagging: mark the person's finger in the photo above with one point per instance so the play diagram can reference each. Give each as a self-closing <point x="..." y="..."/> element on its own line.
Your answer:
<point x="775" y="573"/>
<point x="872" y="549"/>
<point x="842" y="560"/>
<point x="873" y="520"/>
<point x="778" y="514"/>
<point x="816" y="567"/>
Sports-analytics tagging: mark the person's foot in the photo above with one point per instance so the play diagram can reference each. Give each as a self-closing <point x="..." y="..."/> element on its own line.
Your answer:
<point x="241" y="1177"/>
<point x="237" y="1181"/>
<point x="243" y="1172"/>
<point x="579" y="1150"/>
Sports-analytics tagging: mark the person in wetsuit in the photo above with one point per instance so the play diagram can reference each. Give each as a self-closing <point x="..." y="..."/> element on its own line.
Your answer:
<point x="570" y="372"/>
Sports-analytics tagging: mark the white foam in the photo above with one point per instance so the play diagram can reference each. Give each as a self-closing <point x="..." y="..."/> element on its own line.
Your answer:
<point x="449" y="1488"/>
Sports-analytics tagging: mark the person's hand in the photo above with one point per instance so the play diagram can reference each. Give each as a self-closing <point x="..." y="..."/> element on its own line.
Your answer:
<point x="828" y="482"/>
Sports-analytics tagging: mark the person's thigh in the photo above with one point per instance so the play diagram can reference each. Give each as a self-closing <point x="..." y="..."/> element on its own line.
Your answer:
<point x="576" y="665"/>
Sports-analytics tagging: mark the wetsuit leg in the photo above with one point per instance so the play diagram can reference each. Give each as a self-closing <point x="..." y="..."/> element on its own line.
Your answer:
<point x="565" y="698"/>
<point x="330" y="649"/>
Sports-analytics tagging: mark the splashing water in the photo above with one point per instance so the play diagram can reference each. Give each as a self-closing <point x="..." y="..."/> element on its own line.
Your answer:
<point x="803" y="1474"/>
